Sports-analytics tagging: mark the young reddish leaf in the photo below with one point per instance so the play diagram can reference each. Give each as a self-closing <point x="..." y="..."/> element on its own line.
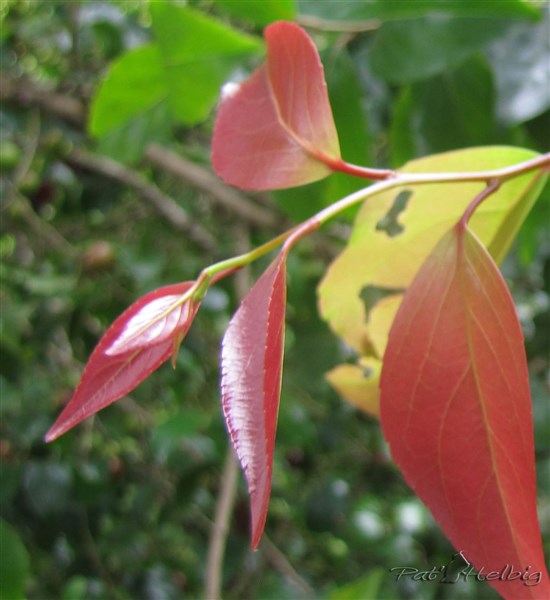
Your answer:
<point x="252" y="356"/>
<point x="128" y="353"/>
<point x="276" y="130"/>
<point x="156" y="319"/>
<point x="456" y="411"/>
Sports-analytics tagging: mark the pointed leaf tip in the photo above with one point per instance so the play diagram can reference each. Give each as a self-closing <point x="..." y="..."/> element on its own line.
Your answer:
<point x="134" y="346"/>
<point x="276" y="129"/>
<point x="456" y="410"/>
<point x="252" y="356"/>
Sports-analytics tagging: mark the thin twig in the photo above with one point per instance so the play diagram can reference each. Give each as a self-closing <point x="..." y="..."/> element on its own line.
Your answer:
<point x="280" y="562"/>
<point x="32" y="138"/>
<point x="202" y="178"/>
<point x="20" y="208"/>
<point x="220" y="527"/>
<point x="165" y="205"/>
<point x="26" y="93"/>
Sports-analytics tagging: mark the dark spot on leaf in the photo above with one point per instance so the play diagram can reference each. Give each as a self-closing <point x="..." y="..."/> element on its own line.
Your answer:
<point x="389" y="222"/>
<point x="372" y="294"/>
<point x="366" y="371"/>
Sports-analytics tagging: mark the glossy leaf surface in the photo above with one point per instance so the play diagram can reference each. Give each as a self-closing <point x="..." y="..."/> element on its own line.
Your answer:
<point x="127" y="354"/>
<point x="252" y="356"/>
<point x="275" y="129"/>
<point x="456" y="410"/>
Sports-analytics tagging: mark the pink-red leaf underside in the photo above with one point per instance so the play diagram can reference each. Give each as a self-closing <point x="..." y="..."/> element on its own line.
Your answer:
<point x="456" y="410"/>
<point x="128" y="353"/>
<point x="275" y="129"/>
<point x="252" y="356"/>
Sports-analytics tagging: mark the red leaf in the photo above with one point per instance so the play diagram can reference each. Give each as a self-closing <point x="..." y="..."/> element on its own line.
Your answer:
<point x="252" y="356"/>
<point x="128" y="353"/>
<point x="275" y="129"/>
<point x="456" y="410"/>
<point x="156" y="318"/>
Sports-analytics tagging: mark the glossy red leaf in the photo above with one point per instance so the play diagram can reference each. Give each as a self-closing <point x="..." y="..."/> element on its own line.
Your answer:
<point x="276" y="129"/>
<point x="456" y="411"/>
<point x="128" y="353"/>
<point x="252" y="356"/>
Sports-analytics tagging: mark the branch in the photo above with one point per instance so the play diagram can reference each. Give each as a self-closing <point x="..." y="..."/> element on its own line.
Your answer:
<point x="26" y="93"/>
<point x="280" y="562"/>
<point x="205" y="180"/>
<point x="220" y="527"/>
<point x="165" y="205"/>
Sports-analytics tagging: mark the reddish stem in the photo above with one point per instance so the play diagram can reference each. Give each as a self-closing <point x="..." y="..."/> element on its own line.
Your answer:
<point x="492" y="187"/>
<point x="357" y="171"/>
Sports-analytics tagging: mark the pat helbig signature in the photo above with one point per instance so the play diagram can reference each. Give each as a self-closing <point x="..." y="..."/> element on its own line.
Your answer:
<point x="444" y="574"/>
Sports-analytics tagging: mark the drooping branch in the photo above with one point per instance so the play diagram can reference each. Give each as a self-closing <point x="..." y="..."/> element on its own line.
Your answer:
<point x="165" y="205"/>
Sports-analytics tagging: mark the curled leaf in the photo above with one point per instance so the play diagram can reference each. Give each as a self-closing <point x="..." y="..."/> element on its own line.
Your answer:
<point x="157" y="318"/>
<point x="276" y="130"/>
<point x="456" y="410"/>
<point x="252" y="356"/>
<point x="130" y="350"/>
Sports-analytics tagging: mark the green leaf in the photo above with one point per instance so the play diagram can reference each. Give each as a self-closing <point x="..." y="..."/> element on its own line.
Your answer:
<point x="367" y="586"/>
<point x="127" y="142"/>
<point x="133" y="85"/>
<point x="520" y="63"/>
<point x="130" y="108"/>
<point x="403" y="9"/>
<point x="445" y="112"/>
<point x="14" y="564"/>
<point x="374" y="257"/>
<point x="177" y="80"/>
<point x="402" y="134"/>
<point x="407" y="51"/>
<point x="198" y="54"/>
<point x="259" y="12"/>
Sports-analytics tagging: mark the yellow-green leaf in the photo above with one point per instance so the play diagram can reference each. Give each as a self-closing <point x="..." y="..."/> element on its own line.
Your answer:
<point x="387" y="247"/>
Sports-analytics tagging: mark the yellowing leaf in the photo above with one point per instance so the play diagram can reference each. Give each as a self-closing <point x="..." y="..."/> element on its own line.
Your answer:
<point x="387" y="249"/>
<point x="380" y="319"/>
<point x="358" y="384"/>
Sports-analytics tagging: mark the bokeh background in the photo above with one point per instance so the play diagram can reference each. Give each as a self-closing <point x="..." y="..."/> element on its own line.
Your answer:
<point x="106" y="118"/>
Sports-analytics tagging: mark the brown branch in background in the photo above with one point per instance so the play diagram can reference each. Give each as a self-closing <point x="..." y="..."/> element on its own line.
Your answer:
<point x="202" y="178"/>
<point x="20" y="208"/>
<point x="165" y="205"/>
<point x="220" y="528"/>
<point x="26" y="93"/>
<point x="280" y="562"/>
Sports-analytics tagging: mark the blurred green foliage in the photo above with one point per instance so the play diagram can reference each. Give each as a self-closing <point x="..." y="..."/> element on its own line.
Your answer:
<point x="122" y="507"/>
